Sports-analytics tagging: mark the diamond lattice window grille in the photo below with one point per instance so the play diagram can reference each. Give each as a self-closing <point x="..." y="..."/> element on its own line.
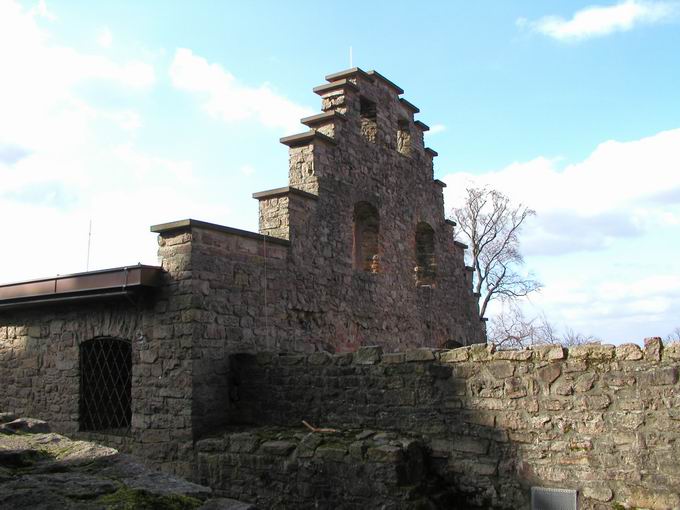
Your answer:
<point x="106" y="385"/>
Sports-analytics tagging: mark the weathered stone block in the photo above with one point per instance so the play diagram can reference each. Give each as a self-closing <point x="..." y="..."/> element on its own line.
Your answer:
<point x="596" y="352"/>
<point x="422" y="354"/>
<point x="658" y="377"/>
<point x="455" y="355"/>
<point x="385" y="454"/>
<point x="548" y="352"/>
<point x="628" y="352"/>
<point x="515" y="388"/>
<point x="335" y="453"/>
<point x="369" y="355"/>
<point x="549" y="373"/>
<point x="470" y="445"/>
<point x="513" y="355"/>
<point x="394" y="358"/>
<point x="278" y="448"/>
<point x="653" y="348"/>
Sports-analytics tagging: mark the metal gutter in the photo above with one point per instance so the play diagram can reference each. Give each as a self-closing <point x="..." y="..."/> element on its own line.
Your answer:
<point x="91" y="285"/>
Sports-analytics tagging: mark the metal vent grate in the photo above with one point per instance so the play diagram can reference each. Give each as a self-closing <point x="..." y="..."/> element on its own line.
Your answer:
<point x="553" y="499"/>
<point x="106" y="385"/>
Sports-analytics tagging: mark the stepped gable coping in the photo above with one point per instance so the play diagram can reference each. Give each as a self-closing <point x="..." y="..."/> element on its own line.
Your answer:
<point x="320" y="118"/>
<point x="409" y="105"/>
<point x="286" y="190"/>
<point x="422" y="125"/>
<point x="440" y="183"/>
<point x="347" y="73"/>
<point x="460" y="245"/>
<point x="450" y="222"/>
<point x="431" y="152"/>
<point x="188" y="224"/>
<point x="330" y="87"/>
<point x="389" y="83"/>
<point x="306" y="138"/>
<point x="470" y="268"/>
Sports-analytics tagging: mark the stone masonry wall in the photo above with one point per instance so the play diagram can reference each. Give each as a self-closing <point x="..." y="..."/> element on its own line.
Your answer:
<point x="337" y="166"/>
<point x="39" y="362"/>
<point x="597" y="418"/>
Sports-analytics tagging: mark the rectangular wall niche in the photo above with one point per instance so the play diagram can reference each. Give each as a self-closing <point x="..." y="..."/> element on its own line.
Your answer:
<point x="368" y="113"/>
<point x="404" y="137"/>
<point x="105" y="385"/>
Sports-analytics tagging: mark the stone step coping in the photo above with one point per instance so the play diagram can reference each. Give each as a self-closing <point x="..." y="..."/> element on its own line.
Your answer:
<point x="387" y="82"/>
<point x="654" y="351"/>
<point x="433" y="153"/>
<point x="189" y="224"/>
<point x="440" y="183"/>
<point x="450" y="222"/>
<point x="347" y="73"/>
<point x="460" y="245"/>
<point x="470" y="268"/>
<point x="322" y="118"/>
<point x="422" y="125"/>
<point x="348" y="445"/>
<point x="410" y="106"/>
<point x="306" y="138"/>
<point x="284" y="191"/>
<point x="332" y="87"/>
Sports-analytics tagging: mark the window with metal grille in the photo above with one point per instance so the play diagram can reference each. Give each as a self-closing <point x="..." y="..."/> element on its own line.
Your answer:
<point x="106" y="385"/>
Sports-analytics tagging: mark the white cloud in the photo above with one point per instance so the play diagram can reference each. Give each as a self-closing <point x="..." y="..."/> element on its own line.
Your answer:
<point x="437" y="128"/>
<point x="612" y="194"/>
<point x="597" y="21"/>
<point x="603" y="226"/>
<point x="105" y="38"/>
<point x="65" y="160"/>
<point x="247" y="170"/>
<point x="225" y="98"/>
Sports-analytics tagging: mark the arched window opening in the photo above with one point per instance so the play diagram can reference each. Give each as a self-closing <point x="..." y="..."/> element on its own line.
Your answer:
<point x="426" y="267"/>
<point x="366" y="238"/>
<point x="106" y="385"/>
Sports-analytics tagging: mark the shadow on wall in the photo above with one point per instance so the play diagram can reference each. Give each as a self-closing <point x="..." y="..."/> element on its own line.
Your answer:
<point x="598" y="419"/>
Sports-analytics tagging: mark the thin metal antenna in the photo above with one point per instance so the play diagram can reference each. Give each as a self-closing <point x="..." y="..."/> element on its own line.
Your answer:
<point x="89" y="241"/>
<point x="350" y="56"/>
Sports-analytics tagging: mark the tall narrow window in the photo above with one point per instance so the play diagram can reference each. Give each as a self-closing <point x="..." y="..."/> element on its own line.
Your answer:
<point x="106" y="385"/>
<point x="426" y="268"/>
<point x="366" y="238"/>
<point x="404" y="138"/>
<point x="369" y="119"/>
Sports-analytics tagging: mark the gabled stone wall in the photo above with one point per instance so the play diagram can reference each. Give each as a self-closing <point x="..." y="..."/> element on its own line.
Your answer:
<point x="599" y="419"/>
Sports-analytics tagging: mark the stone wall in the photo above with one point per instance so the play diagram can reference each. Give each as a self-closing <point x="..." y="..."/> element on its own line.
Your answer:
<point x="39" y="362"/>
<point x="352" y="157"/>
<point x="599" y="419"/>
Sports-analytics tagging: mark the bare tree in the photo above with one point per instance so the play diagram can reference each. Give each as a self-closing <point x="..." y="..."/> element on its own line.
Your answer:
<point x="511" y="329"/>
<point x="490" y="224"/>
<point x="674" y="335"/>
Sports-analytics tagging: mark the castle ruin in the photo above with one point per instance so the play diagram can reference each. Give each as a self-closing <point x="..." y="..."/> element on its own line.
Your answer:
<point x="351" y="308"/>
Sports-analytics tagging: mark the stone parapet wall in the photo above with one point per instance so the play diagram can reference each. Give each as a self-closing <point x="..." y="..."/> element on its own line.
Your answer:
<point x="599" y="419"/>
<point x="295" y="468"/>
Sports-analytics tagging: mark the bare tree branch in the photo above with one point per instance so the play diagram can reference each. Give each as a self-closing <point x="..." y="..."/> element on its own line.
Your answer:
<point x="511" y="329"/>
<point x="490" y="224"/>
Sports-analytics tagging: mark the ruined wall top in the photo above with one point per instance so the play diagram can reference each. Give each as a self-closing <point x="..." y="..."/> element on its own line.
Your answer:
<point x="370" y="130"/>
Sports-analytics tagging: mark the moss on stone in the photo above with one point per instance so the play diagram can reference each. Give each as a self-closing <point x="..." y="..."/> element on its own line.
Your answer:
<point x="135" y="499"/>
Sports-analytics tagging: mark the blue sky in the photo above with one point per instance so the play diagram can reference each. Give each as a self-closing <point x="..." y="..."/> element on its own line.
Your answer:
<point x="134" y="113"/>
